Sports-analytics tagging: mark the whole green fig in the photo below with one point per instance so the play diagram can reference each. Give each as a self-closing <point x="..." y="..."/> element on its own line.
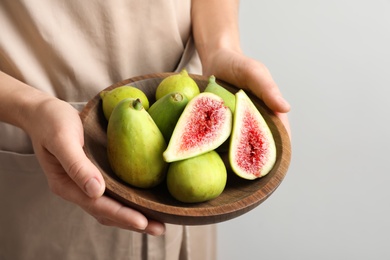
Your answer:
<point x="166" y="111"/>
<point x="111" y="98"/>
<point x="180" y="82"/>
<point x="135" y="145"/>
<point x="227" y="96"/>
<point x="197" y="179"/>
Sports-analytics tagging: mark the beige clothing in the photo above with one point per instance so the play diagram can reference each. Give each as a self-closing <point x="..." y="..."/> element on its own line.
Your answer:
<point x="72" y="49"/>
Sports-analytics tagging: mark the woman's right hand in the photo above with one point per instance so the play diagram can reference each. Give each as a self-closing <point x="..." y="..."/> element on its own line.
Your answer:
<point x="57" y="135"/>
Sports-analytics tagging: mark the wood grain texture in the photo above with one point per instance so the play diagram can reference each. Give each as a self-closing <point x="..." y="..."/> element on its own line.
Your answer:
<point x="239" y="196"/>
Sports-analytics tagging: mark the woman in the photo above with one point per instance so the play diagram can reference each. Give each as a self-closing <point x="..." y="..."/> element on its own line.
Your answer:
<point x="54" y="56"/>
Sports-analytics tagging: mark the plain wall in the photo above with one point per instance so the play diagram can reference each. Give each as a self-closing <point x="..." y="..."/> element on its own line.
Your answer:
<point x="331" y="60"/>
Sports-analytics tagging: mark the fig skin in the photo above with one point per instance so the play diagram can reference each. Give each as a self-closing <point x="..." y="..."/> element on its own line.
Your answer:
<point x="204" y="125"/>
<point x="111" y="98"/>
<point x="180" y="82"/>
<point x="197" y="179"/>
<point x="227" y="96"/>
<point x="135" y="145"/>
<point x="229" y="99"/>
<point x="252" y="151"/>
<point x="166" y="112"/>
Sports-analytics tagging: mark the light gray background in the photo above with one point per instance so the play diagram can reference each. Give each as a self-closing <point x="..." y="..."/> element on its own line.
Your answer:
<point x="331" y="59"/>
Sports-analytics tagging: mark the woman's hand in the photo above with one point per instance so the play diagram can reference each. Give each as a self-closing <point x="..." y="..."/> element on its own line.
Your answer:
<point x="246" y="73"/>
<point x="57" y="135"/>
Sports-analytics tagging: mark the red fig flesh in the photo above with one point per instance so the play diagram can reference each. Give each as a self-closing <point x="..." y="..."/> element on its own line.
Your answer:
<point x="203" y="126"/>
<point x="252" y="152"/>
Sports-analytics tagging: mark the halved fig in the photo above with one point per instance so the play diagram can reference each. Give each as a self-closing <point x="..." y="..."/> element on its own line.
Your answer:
<point x="252" y="152"/>
<point x="203" y="126"/>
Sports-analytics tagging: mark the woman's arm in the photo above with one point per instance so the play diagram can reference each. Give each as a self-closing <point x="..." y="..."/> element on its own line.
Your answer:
<point x="215" y="27"/>
<point x="217" y="39"/>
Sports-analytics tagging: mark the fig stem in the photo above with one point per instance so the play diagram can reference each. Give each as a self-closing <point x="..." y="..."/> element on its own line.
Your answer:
<point x="137" y="104"/>
<point x="177" y="97"/>
<point x="183" y="72"/>
<point x="212" y="79"/>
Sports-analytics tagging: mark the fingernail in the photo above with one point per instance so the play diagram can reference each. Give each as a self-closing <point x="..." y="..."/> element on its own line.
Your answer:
<point x="284" y="103"/>
<point x="93" y="187"/>
<point x="141" y="225"/>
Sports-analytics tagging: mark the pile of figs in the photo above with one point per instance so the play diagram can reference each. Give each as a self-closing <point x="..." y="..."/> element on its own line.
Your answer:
<point x="179" y="138"/>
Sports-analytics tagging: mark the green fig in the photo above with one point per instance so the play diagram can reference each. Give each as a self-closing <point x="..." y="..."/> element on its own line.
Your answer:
<point x="252" y="152"/>
<point x="179" y="82"/>
<point x="203" y="126"/>
<point x="110" y="98"/>
<point x="227" y="96"/>
<point x="197" y="179"/>
<point x="135" y="145"/>
<point x="166" y="111"/>
<point x="229" y="99"/>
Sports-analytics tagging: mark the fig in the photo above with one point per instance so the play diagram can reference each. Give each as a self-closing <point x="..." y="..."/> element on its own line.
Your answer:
<point x="197" y="179"/>
<point x="135" y="145"/>
<point x="203" y="126"/>
<point x="179" y="82"/>
<point x="111" y="98"/>
<point x="229" y="100"/>
<point x="166" y="112"/>
<point x="227" y="96"/>
<point x="252" y="151"/>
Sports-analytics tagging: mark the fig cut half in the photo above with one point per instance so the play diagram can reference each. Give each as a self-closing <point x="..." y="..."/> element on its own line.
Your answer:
<point x="205" y="124"/>
<point x="252" y="152"/>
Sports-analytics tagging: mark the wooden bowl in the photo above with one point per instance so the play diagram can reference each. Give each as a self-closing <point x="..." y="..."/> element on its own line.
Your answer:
<point x="239" y="196"/>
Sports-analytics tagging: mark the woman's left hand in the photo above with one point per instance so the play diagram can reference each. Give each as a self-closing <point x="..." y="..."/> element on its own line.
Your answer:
<point x="246" y="73"/>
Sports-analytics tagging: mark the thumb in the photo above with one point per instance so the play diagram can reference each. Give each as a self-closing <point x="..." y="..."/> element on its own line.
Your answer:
<point x="81" y="170"/>
<point x="261" y="83"/>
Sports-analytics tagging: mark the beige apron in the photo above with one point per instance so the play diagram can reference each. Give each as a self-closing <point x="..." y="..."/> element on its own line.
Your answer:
<point x="72" y="49"/>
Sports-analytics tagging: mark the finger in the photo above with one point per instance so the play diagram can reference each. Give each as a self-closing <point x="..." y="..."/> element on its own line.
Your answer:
<point x="111" y="212"/>
<point x="109" y="209"/>
<point x="260" y="82"/>
<point x="105" y="209"/>
<point x="153" y="228"/>
<point x="80" y="169"/>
